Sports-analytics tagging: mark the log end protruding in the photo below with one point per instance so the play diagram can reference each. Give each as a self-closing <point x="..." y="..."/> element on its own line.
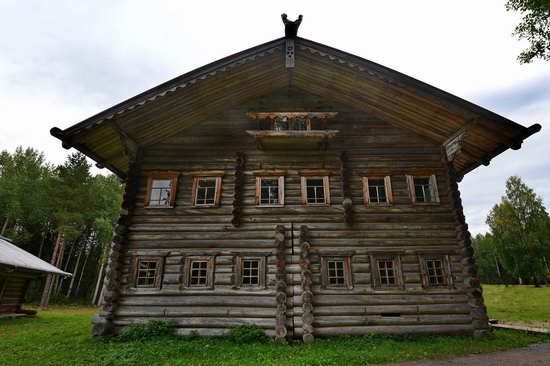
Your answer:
<point x="478" y="311"/>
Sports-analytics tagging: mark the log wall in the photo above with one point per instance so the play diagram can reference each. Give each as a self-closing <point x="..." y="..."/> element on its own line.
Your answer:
<point x="13" y="288"/>
<point x="402" y="229"/>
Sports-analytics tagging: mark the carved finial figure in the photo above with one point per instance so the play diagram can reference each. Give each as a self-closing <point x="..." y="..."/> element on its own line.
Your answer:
<point x="291" y="27"/>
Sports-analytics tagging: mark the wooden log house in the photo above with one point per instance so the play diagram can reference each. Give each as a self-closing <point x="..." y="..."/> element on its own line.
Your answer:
<point x="18" y="268"/>
<point x="296" y="187"/>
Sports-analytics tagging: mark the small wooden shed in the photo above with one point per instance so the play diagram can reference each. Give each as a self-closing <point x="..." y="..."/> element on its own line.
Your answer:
<point x="17" y="269"/>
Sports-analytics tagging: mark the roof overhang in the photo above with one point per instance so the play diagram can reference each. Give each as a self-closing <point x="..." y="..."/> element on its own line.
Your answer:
<point x="13" y="258"/>
<point x="470" y="134"/>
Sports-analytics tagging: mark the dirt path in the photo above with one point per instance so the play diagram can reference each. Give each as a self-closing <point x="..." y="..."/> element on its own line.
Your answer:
<point x="535" y="355"/>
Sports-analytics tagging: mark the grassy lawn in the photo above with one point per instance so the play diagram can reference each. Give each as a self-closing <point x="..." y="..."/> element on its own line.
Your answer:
<point x="518" y="304"/>
<point x="62" y="336"/>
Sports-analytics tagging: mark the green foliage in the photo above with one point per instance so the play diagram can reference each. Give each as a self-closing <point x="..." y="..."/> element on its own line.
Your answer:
<point x="247" y="333"/>
<point x="534" y="27"/>
<point x="62" y="336"/>
<point x="488" y="258"/>
<point x="520" y="228"/>
<point x="38" y="200"/>
<point x="145" y="331"/>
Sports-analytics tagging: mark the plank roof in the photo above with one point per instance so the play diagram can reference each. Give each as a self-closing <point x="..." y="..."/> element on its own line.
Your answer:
<point x="13" y="257"/>
<point x="113" y="136"/>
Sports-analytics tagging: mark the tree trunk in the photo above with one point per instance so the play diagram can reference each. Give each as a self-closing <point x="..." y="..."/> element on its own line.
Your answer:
<point x="48" y="286"/>
<point x="82" y="272"/>
<point x="41" y="245"/>
<point x="546" y="264"/>
<point x="520" y="281"/>
<point x="60" y="281"/>
<point x="100" y="275"/>
<point x="58" y="265"/>
<point x="5" y="226"/>
<point x="75" y="271"/>
<point x="498" y="270"/>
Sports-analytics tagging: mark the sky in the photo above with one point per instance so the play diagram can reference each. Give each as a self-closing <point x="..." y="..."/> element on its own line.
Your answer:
<point x="63" y="61"/>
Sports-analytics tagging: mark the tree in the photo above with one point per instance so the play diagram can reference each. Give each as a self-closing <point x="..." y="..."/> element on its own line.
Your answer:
<point x="534" y="27"/>
<point x="520" y="227"/>
<point x="489" y="260"/>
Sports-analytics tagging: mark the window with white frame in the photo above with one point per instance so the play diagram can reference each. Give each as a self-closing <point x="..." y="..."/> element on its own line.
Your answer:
<point x="270" y="191"/>
<point x="377" y="190"/>
<point x="206" y="191"/>
<point x="423" y="188"/>
<point x="161" y="189"/>
<point x="315" y="191"/>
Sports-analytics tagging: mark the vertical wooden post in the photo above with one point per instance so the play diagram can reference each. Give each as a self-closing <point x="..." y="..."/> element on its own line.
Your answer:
<point x="280" y="317"/>
<point x="307" y="283"/>
<point x="347" y="203"/>
<point x="238" y="190"/>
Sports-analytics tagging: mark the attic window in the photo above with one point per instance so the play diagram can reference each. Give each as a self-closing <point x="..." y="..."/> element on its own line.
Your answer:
<point x="292" y="130"/>
<point x="291" y="124"/>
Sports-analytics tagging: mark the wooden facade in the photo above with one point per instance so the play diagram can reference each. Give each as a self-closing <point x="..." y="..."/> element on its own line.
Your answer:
<point x="382" y="247"/>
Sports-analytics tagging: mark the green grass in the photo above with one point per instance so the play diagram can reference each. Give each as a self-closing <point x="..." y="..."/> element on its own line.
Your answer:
<point x="518" y="304"/>
<point x="62" y="336"/>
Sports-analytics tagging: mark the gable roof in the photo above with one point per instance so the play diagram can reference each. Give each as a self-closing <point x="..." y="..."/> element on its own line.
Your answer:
<point x="112" y="137"/>
<point x="14" y="257"/>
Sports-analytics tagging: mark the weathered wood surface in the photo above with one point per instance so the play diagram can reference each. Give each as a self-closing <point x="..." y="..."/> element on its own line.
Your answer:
<point x="402" y="229"/>
<point x="13" y="288"/>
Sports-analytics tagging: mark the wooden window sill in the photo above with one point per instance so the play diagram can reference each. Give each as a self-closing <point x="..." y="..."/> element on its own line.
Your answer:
<point x="197" y="288"/>
<point x="157" y="207"/>
<point x="338" y="288"/>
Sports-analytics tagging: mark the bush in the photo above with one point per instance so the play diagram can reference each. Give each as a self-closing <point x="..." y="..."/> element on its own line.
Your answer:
<point x="145" y="331"/>
<point x="247" y="333"/>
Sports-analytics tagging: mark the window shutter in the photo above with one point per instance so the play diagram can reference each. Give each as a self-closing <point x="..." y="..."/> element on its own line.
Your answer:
<point x="410" y="185"/>
<point x="433" y="182"/>
<point x="389" y="194"/>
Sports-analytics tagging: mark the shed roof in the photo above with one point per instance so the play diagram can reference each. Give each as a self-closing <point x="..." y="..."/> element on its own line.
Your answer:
<point x="15" y="257"/>
<point x="113" y="136"/>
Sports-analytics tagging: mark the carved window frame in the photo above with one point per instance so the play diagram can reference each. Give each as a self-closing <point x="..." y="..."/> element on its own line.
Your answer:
<point x="434" y="198"/>
<point x="446" y="267"/>
<point x="188" y="268"/>
<point x="387" y="188"/>
<point x="326" y="189"/>
<point x="347" y="276"/>
<point x="215" y="175"/>
<point x="397" y="271"/>
<point x="153" y="176"/>
<point x="159" y="270"/>
<point x="281" y="190"/>
<point x="261" y="272"/>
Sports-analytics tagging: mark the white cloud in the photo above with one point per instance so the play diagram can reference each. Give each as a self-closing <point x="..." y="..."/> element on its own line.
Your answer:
<point x="61" y="62"/>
